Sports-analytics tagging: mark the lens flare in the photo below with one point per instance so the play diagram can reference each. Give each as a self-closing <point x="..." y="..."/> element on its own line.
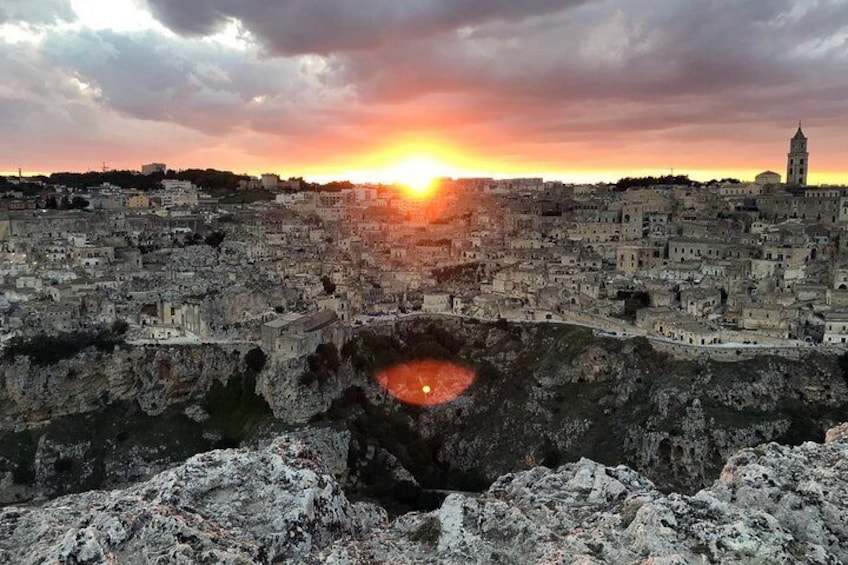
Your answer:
<point x="426" y="383"/>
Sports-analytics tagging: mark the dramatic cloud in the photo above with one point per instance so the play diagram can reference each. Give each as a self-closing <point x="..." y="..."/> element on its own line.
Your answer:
<point x="35" y="11"/>
<point x="297" y="27"/>
<point x="543" y="85"/>
<point x="204" y="86"/>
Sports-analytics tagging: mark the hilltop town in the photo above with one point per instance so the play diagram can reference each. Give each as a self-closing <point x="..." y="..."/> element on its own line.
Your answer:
<point x="692" y="266"/>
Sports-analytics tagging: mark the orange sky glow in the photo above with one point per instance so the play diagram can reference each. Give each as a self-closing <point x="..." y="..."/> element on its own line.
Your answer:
<point x="580" y="91"/>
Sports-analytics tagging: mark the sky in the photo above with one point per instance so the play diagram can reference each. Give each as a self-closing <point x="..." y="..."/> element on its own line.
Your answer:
<point x="576" y="90"/>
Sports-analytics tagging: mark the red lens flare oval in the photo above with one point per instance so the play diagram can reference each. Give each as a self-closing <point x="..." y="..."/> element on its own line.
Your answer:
<point x="426" y="383"/>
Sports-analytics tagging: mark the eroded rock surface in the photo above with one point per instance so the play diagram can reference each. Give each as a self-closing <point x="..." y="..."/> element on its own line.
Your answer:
<point x="226" y="506"/>
<point x="772" y="504"/>
<point x="154" y="377"/>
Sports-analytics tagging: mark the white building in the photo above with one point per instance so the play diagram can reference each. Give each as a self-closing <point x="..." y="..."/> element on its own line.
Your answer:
<point x="151" y="168"/>
<point x="178" y="193"/>
<point x="269" y="181"/>
<point x="836" y="327"/>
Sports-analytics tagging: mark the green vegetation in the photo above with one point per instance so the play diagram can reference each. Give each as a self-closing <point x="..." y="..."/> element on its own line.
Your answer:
<point x="124" y="179"/>
<point x="675" y="180"/>
<point x="465" y="273"/>
<point x="117" y="436"/>
<point x="210" y="179"/>
<point x="43" y="349"/>
<point x="120" y="434"/>
<point x="632" y="182"/>
<point x="234" y="408"/>
<point x="322" y="364"/>
<point x="248" y="197"/>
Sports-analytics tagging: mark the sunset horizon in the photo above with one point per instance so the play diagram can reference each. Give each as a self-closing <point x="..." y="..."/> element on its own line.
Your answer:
<point x="577" y="91"/>
<point x="423" y="281"/>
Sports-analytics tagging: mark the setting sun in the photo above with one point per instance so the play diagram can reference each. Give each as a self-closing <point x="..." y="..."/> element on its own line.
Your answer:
<point x="417" y="175"/>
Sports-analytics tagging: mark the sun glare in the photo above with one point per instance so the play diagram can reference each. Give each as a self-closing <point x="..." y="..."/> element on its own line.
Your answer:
<point x="417" y="175"/>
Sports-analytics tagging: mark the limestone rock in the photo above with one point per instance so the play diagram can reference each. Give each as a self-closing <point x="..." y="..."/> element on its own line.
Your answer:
<point x="155" y="377"/>
<point x="839" y="433"/>
<point x="229" y="506"/>
<point x="773" y="504"/>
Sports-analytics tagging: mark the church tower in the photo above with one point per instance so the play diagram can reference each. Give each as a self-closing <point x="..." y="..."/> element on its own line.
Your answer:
<point x="796" y="165"/>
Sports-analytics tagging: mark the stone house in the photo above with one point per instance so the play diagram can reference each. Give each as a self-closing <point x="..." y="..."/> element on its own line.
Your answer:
<point x="775" y="321"/>
<point x="437" y="303"/>
<point x="700" y="302"/>
<point x="836" y="327"/>
<point x="289" y="338"/>
<point x="684" y="329"/>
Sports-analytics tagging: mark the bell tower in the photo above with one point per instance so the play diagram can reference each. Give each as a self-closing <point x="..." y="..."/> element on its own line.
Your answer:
<point x="798" y="159"/>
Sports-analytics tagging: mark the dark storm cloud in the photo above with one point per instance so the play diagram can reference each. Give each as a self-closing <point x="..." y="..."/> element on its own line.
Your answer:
<point x="334" y="77"/>
<point x="737" y="58"/>
<point x="201" y="85"/>
<point x="35" y="11"/>
<point x="325" y="26"/>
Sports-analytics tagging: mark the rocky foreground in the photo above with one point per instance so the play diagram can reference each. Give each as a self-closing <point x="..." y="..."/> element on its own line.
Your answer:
<point x="543" y="395"/>
<point x="772" y="504"/>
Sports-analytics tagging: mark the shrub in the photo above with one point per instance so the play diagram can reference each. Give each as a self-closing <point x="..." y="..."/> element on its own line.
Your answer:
<point x="43" y="349"/>
<point x="255" y="360"/>
<point x="322" y="364"/>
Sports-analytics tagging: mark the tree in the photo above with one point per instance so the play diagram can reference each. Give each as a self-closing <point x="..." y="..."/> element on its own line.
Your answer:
<point x="215" y="239"/>
<point x="78" y="203"/>
<point x="255" y="359"/>
<point x="329" y="286"/>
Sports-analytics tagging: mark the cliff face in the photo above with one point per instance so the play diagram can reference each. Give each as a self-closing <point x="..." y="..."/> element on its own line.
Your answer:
<point x="771" y="504"/>
<point x="153" y="376"/>
<point x="101" y="420"/>
<point x="553" y="394"/>
<point x="542" y="395"/>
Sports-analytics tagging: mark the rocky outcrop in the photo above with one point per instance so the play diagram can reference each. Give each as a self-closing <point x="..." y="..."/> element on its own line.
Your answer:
<point x="296" y="399"/>
<point x="123" y="442"/>
<point x="153" y="376"/>
<point x="772" y="504"/>
<point x="543" y="394"/>
<point x="551" y="394"/>
<point x="228" y="506"/>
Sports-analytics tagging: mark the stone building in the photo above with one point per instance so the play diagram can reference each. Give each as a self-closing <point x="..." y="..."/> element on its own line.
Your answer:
<point x="437" y="303"/>
<point x="294" y="338"/>
<point x="797" y="163"/>
<point x="836" y="327"/>
<point x="767" y="177"/>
